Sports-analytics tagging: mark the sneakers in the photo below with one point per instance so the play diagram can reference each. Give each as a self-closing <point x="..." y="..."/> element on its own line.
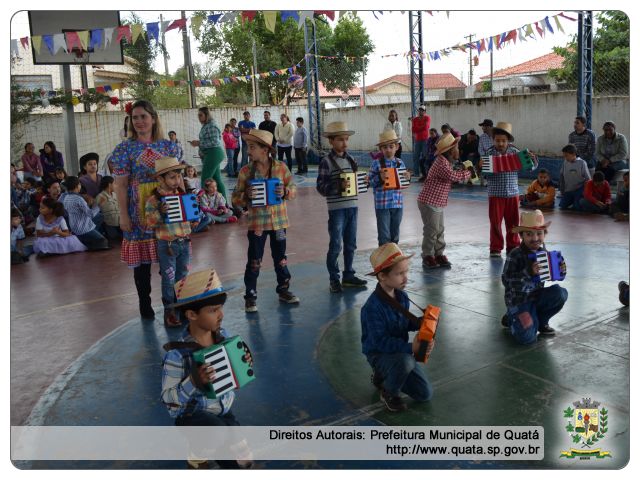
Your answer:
<point x="495" y="253"/>
<point x="429" y="262"/>
<point x="547" y="331"/>
<point x="443" y="261"/>
<point x="287" y="297"/>
<point x="353" y="282"/>
<point x="232" y="219"/>
<point x="393" y="404"/>
<point x="505" y="321"/>
<point x="377" y="379"/>
<point x="335" y="287"/>
<point x="250" y="305"/>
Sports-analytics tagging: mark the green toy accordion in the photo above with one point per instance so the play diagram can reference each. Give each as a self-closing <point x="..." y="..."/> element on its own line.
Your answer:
<point x="231" y="369"/>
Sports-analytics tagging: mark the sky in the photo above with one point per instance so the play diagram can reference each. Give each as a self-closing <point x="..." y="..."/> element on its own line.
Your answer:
<point x="390" y="35"/>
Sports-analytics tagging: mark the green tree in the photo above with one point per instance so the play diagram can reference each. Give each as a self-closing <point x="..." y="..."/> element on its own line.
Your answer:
<point x="610" y="56"/>
<point x="230" y="45"/>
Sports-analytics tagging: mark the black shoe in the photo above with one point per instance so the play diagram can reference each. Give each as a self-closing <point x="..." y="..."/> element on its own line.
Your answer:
<point x="353" y="282"/>
<point x="393" y="404"/>
<point x="547" y="331"/>
<point x="377" y="379"/>
<point x="505" y="321"/>
<point x="250" y="305"/>
<point x="146" y="310"/>
<point x="287" y="297"/>
<point x="335" y="287"/>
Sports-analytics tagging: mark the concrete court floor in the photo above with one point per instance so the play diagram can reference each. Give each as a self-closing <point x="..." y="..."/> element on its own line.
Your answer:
<point x="481" y="378"/>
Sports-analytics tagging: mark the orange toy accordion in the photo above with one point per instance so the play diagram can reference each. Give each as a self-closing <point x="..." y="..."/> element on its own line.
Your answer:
<point x="394" y="178"/>
<point x="427" y="332"/>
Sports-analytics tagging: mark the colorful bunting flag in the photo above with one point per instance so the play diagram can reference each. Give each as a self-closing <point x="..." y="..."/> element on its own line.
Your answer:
<point x="25" y="42"/>
<point x="124" y="32"/>
<point x="36" y="41"/>
<point x="180" y="24"/>
<point x="270" y="20"/>
<point x="164" y="25"/>
<point x="136" y="32"/>
<point x="558" y="24"/>
<point x="108" y="36"/>
<point x="304" y="14"/>
<point x="214" y="18"/>
<point x="59" y="43"/>
<point x="329" y="13"/>
<point x="196" y="23"/>
<point x="286" y="14"/>
<point x="48" y="41"/>
<point x="83" y="36"/>
<point x="548" y="23"/>
<point x="248" y="15"/>
<point x="153" y="30"/>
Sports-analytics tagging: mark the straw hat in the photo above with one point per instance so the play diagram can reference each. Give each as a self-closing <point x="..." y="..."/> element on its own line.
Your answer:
<point x="487" y="122"/>
<point x="167" y="164"/>
<point x="198" y="286"/>
<point x="531" y="221"/>
<point x="386" y="137"/>
<point x="385" y="256"/>
<point x="260" y="136"/>
<point x="446" y="143"/>
<point x="503" y="127"/>
<point x="334" y="129"/>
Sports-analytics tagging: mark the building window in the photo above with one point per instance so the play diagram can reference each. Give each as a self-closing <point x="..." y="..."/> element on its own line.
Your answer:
<point x="33" y="82"/>
<point x="540" y="88"/>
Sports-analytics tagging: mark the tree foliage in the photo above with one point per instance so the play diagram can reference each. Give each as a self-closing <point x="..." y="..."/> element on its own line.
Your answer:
<point x="610" y="56"/>
<point x="230" y="46"/>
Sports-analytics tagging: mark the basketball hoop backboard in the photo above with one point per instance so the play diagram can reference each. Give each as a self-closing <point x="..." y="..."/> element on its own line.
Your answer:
<point x="60" y="21"/>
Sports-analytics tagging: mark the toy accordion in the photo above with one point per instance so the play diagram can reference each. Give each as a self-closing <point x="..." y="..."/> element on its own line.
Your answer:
<point x="394" y="178"/>
<point x="181" y="208"/>
<point x="549" y="263"/>
<point x="510" y="162"/>
<point x="265" y="192"/>
<point x="231" y="369"/>
<point x="427" y="332"/>
<point x="357" y="184"/>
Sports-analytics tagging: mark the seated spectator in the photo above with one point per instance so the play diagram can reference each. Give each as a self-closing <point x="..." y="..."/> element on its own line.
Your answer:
<point x="19" y="253"/>
<point x="15" y="185"/>
<point x="597" y="195"/>
<point x="81" y="218"/>
<point x="60" y="175"/>
<point x="108" y="203"/>
<point x="541" y="193"/>
<point x="31" y="163"/>
<point x="90" y="178"/>
<point x="191" y="180"/>
<point x="52" y="189"/>
<point x="612" y="151"/>
<point x="468" y="146"/>
<point x="24" y="197"/>
<point x="446" y="128"/>
<point x="214" y="205"/>
<point x="50" y="159"/>
<point x="620" y="209"/>
<point x="52" y="234"/>
<point x="585" y="142"/>
<point x="574" y="173"/>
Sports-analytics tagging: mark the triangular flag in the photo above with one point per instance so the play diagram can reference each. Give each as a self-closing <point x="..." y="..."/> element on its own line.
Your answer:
<point x="171" y="83"/>
<point x="270" y="20"/>
<point x="108" y="36"/>
<point x="100" y="89"/>
<point x="15" y="51"/>
<point x="216" y="82"/>
<point x="540" y="30"/>
<point x="48" y="41"/>
<point x="490" y="45"/>
<point x="59" y="43"/>
<point x="521" y="36"/>
<point x="496" y="41"/>
<point x="83" y="36"/>
<point x="436" y="56"/>
<point x="25" y="42"/>
<point x="180" y="24"/>
<point x="164" y="25"/>
<point x="196" y="23"/>
<point x="248" y="15"/>
<point x="529" y="31"/>
<point x="153" y="30"/>
<point x="124" y="32"/>
<point x="72" y="41"/>
<point x="558" y="24"/>
<point x="95" y="40"/>
<point x="304" y="14"/>
<point x="568" y="18"/>
<point x="286" y="14"/>
<point x="136" y="31"/>
<point x="229" y="17"/>
<point x="329" y="13"/>
<point x="546" y="20"/>
<point x="214" y="18"/>
<point x="107" y="88"/>
<point x="36" y="41"/>
<point x="512" y="35"/>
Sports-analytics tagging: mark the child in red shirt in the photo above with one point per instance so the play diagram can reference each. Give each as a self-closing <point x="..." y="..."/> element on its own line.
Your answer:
<point x="230" y="145"/>
<point x="597" y="195"/>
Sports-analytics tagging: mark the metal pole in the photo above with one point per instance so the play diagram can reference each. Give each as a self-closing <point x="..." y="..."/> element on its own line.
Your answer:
<point x="491" y="74"/>
<point x="470" y="37"/>
<point x="187" y="64"/>
<point x="420" y="60"/>
<point x="253" y="85"/>
<point x="69" y="122"/>
<point x="364" y="86"/>
<point x="164" y="51"/>
<point x="255" y="69"/>
<point x="580" y="91"/>
<point x="316" y="80"/>
<point x="588" y="66"/>
<point x="84" y="81"/>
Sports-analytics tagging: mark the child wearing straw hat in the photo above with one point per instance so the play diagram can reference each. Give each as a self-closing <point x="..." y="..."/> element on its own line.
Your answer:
<point x="530" y="305"/>
<point x="433" y="199"/>
<point x="200" y="300"/>
<point x="271" y="221"/>
<point x="388" y="203"/>
<point x="343" y="211"/>
<point x="385" y="332"/>
<point x="173" y="239"/>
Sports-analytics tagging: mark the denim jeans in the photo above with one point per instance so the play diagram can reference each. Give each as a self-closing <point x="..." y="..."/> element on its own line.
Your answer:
<point x="174" y="257"/>
<point x="343" y="227"/>
<point x="545" y="305"/>
<point x="401" y="373"/>
<point x="230" y="166"/>
<point x="255" y="252"/>
<point x="93" y="240"/>
<point x="204" y="222"/>
<point x="419" y="152"/>
<point x="587" y="206"/>
<point x="388" y="220"/>
<point x="571" y="199"/>
<point x="245" y="154"/>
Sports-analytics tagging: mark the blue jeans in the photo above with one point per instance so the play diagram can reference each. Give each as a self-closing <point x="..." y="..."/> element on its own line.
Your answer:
<point x="545" y="305"/>
<point x="587" y="206"/>
<point x="255" y="252"/>
<point x="204" y="222"/>
<point x="175" y="257"/>
<point x="230" y="167"/>
<point x="388" y="220"/>
<point x="570" y="199"/>
<point x="401" y="373"/>
<point x="93" y="240"/>
<point x="343" y="226"/>
<point x="245" y="154"/>
<point x="419" y="152"/>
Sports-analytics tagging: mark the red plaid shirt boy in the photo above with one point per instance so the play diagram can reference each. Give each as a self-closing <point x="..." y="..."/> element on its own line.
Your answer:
<point x="435" y="189"/>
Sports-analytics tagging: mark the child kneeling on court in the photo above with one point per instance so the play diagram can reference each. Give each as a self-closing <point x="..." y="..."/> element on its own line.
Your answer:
<point x="385" y="332"/>
<point x="200" y="298"/>
<point x="530" y="305"/>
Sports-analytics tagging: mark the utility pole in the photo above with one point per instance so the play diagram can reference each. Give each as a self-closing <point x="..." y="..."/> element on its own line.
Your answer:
<point x="255" y="72"/>
<point x="187" y="64"/>
<point x="470" y="37"/>
<point x="164" y="51"/>
<point x="491" y="74"/>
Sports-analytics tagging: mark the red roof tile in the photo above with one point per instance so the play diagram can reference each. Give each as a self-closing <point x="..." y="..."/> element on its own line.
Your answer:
<point x="431" y="81"/>
<point x="353" y="92"/>
<point x="537" y="65"/>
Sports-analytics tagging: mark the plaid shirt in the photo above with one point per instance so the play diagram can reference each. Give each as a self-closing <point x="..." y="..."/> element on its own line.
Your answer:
<point x="155" y="220"/>
<point x="385" y="199"/>
<point x="179" y="394"/>
<point x="505" y="184"/>
<point x="210" y="137"/>
<point x="484" y="144"/>
<point x="80" y="215"/>
<point x="272" y="217"/>
<point x="519" y="286"/>
<point x="585" y="143"/>
<point x="435" y="189"/>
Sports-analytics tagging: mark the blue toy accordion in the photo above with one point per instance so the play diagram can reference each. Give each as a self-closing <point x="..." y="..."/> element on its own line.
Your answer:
<point x="264" y="192"/>
<point x="181" y="208"/>
<point x="231" y="369"/>
<point x="549" y="264"/>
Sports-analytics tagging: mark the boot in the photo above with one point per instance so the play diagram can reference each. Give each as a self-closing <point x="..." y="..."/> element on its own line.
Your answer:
<point x="142" y="278"/>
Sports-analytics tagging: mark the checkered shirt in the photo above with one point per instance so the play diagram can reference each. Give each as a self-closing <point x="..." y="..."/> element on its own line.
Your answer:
<point x="435" y="189"/>
<point x="519" y="286"/>
<point x="484" y="144"/>
<point x="210" y="137"/>
<point x="585" y="144"/>
<point x="155" y="220"/>
<point x="385" y="199"/>
<point x="505" y="184"/>
<point x="80" y="215"/>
